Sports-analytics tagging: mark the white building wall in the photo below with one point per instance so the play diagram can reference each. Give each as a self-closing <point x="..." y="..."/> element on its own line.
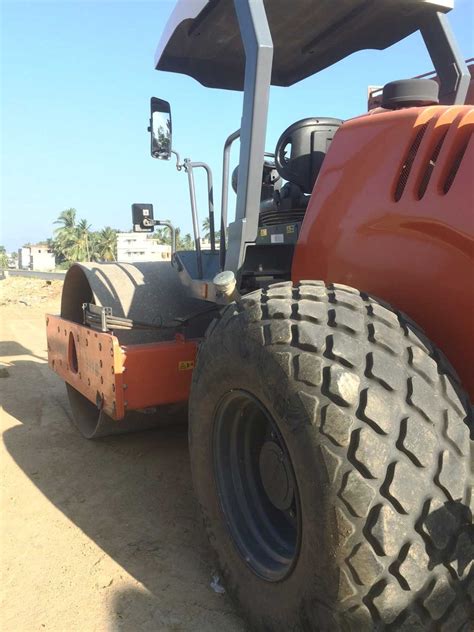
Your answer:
<point x="37" y="257"/>
<point x="42" y="258"/>
<point x="140" y="247"/>
<point x="24" y="258"/>
<point x="206" y="244"/>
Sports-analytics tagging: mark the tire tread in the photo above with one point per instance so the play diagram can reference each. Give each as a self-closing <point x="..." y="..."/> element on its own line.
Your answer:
<point x="398" y="484"/>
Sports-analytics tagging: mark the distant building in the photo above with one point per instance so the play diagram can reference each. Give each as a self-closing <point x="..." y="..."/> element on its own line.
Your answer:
<point x="37" y="257"/>
<point x="206" y="244"/>
<point x="13" y="260"/>
<point x="140" y="247"/>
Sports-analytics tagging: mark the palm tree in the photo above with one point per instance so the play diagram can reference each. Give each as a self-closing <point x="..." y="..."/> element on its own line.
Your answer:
<point x="67" y="219"/>
<point x="3" y="257"/>
<point x="65" y="234"/>
<point x="106" y="244"/>
<point x="81" y="245"/>
<point x="187" y="242"/>
<point x="163" y="236"/>
<point x="206" y="227"/>
<point x="72" y="239"/>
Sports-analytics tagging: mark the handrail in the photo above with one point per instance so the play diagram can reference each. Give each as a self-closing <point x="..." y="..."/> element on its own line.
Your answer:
<point x="192" y="195"/>
<point x="210" y="200"/>
<point x="163" y="222"/>
<point x="225" y="193"/>
<point x="188" y="167"/>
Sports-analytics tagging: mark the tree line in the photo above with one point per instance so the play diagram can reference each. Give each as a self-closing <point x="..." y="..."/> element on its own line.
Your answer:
<point x="184" y="242"/>
<point x="75" y="241"/>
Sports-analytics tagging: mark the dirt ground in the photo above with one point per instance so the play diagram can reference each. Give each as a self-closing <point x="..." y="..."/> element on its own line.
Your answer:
<point x="95" y="535"/>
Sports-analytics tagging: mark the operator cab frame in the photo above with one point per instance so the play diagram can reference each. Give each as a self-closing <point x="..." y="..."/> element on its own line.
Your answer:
<point x="247" y="46"/>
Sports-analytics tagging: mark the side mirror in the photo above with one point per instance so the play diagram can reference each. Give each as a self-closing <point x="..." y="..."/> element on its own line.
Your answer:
<point x="160" y="129"/>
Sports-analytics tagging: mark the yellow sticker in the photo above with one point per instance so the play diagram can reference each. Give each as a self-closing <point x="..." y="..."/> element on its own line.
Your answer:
<point x="263" y="232"/>
<point x="186" y="365"/>
<point x="290" y="229"/>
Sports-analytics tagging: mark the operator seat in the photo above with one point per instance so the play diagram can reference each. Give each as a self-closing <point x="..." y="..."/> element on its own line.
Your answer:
<point x="299" y="155"/>
<point x="301" y="149"/>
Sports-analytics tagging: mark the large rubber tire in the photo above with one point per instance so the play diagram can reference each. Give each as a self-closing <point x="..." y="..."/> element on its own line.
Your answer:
<point x="373" y="421"/>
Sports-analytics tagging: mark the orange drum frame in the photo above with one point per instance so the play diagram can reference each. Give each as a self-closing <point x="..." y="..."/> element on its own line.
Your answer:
<point x="120" y="378"/>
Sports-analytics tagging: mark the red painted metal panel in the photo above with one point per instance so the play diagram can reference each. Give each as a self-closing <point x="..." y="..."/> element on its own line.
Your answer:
<point x="120" y="378"/>
<point x="158" y="373"/>
<point x="396" y="220"/>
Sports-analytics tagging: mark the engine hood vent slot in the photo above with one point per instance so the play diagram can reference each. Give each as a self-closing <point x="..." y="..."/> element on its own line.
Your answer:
<point x="430" y="166"/>
<point x="458" y="158"/>
<point x="408" y="163"/>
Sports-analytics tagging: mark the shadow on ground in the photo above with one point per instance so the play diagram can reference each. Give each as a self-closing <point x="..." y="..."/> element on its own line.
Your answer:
<point x="131" y="494"/>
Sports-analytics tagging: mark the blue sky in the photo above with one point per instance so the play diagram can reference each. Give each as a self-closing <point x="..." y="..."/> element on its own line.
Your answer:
<point x="77" y="77"/>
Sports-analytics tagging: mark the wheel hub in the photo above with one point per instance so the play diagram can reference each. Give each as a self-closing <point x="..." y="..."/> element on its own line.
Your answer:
<point x="276" y="475"/>
<point x="258" y="491"/>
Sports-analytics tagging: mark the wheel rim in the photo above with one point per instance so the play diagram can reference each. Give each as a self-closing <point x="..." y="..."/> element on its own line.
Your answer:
<point x="256" y="485"/>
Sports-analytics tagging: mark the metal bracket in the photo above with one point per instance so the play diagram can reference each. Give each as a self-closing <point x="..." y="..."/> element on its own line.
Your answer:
<point x="179" y="164"/>
<point x="453" y="73"/>
<point x="95" y="316"/>
<point x="101" y="319"/>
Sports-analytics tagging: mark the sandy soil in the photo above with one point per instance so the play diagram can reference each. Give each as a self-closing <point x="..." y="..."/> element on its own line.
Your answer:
<point x="101" y="535"/>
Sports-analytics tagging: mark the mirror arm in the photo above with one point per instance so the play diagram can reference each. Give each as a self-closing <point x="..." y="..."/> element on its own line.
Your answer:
<point x="162" y="222"/>
<point x="151" y="223"/>
<point x="179" y="164"/>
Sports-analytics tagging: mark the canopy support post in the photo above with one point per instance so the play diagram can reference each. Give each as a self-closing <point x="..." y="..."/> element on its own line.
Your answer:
<point x="258" y="46"/>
